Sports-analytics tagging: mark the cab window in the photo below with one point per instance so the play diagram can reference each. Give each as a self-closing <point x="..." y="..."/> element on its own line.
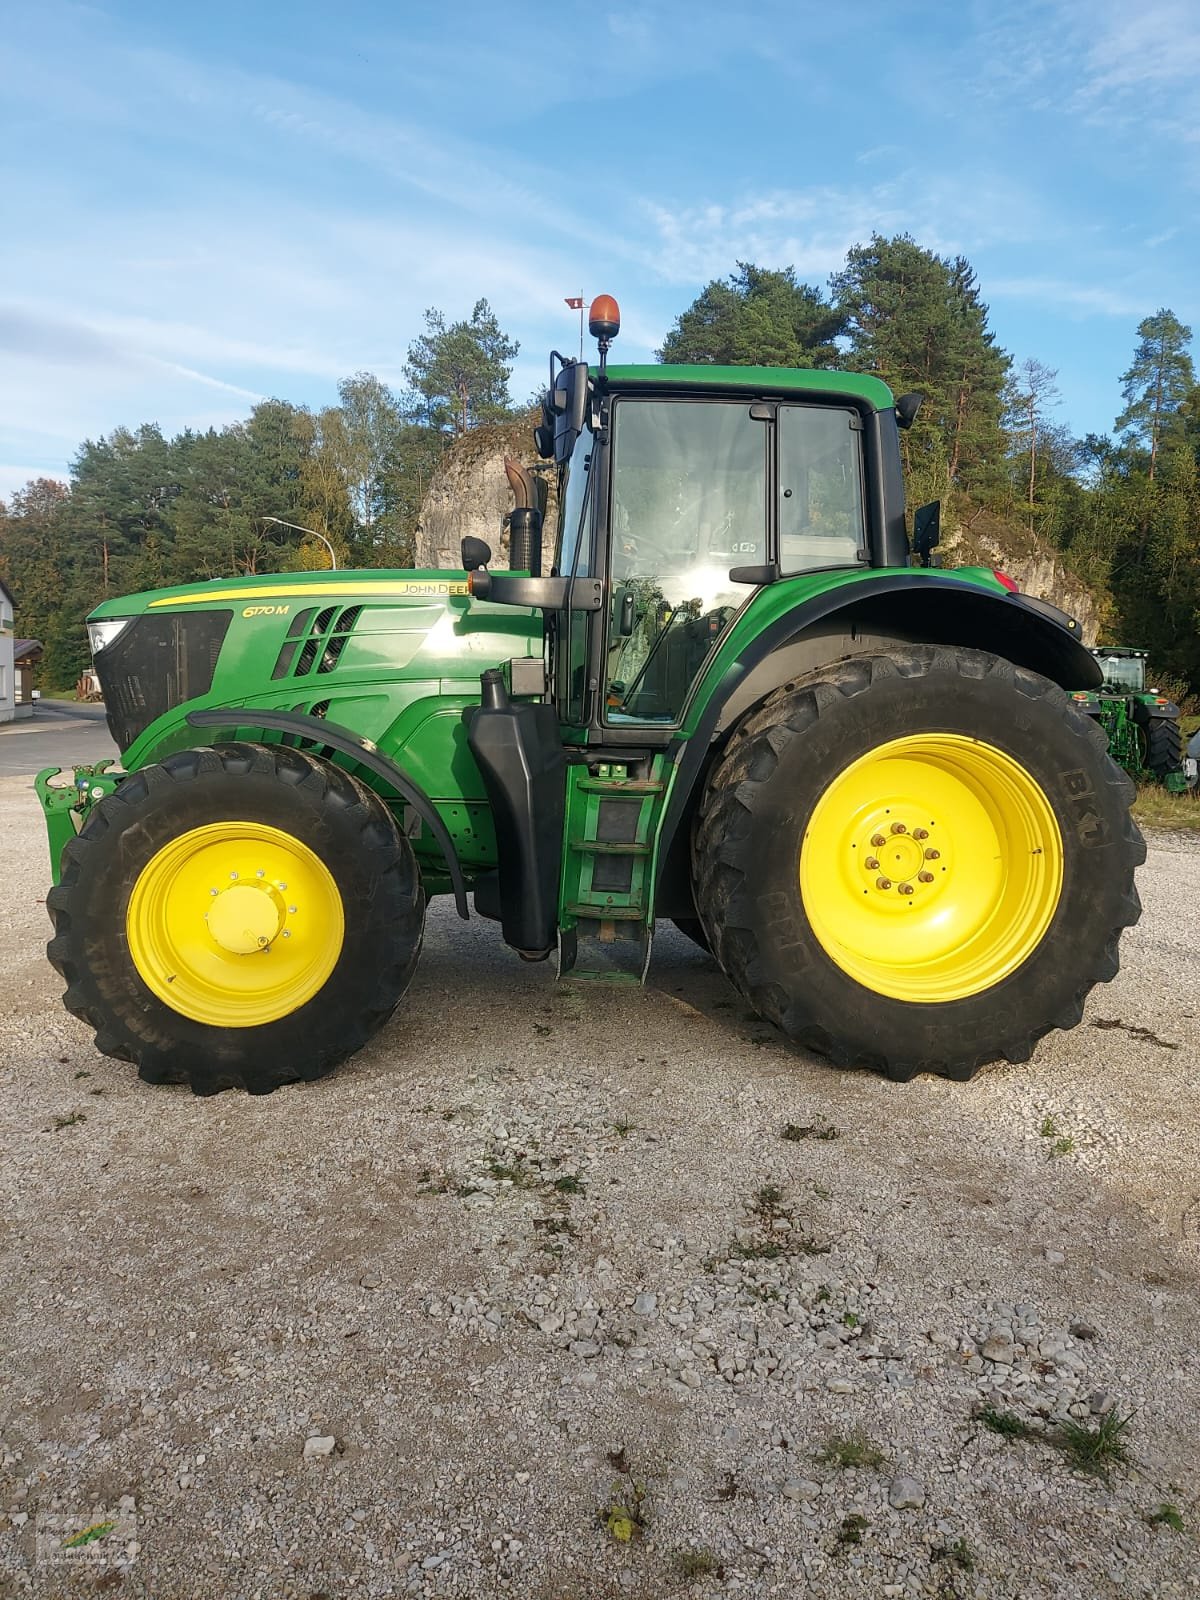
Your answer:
<point x="820" y="489"/>
<point x="688" y="502"/>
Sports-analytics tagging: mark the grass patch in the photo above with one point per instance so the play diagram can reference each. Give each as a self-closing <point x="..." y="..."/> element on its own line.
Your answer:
<point x="624" y="1517"/>
<point x="554" y="1224"/>
<point x="568" y="1184"/>
<point x="851" y="1450"/>
<point x="957" y="1554"/>
<point x="1006" y="1423"/>
<point x="68" y="1121"/>
<point x="514" y="1172"/>
<point x="811" y="1130"/>
<point x="623" y="1128"/>
<point x="765" y="1251"/>
<point x="1095" y="1449"/>
<point x="1156" y="807"/>
<point x="692" y="1564"/>
<point x="1061" y="1144"/>
<point x="1167" y="1516"/>
<point x="852" y="1529"/>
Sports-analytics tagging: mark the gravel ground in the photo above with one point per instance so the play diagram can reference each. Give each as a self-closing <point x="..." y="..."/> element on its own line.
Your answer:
<point x="541" y="1269"/>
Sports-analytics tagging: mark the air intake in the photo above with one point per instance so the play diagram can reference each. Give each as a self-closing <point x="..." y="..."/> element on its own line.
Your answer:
<point x="316" y="645"/>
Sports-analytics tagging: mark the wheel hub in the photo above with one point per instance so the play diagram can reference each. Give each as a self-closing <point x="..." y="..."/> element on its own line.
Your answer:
<point x="247" y="917"/>
<point x="901" y="860"/>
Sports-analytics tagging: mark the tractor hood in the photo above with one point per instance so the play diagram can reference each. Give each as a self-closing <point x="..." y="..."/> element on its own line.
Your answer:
<point x="394" y="587"/>
<point x="356" y="646"/>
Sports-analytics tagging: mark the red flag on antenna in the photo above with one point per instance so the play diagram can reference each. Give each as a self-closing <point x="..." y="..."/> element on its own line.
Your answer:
<point x="575" y="302"/>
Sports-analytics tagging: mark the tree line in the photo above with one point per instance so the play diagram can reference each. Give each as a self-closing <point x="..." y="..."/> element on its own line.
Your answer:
<point x="1122" y="509"/>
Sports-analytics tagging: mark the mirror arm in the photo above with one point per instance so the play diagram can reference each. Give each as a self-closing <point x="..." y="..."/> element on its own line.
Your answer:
<point x="546" y="594"/>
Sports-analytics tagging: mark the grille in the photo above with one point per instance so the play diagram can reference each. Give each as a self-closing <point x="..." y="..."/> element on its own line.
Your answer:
<point x="315" y="645"/>
<point x="155" y="663"/>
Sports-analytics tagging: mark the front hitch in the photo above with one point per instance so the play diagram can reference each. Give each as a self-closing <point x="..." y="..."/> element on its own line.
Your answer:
<point x="67" y="805"/>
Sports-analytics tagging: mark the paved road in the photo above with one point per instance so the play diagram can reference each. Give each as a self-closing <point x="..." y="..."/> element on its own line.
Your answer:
<point x="59" y="734"/>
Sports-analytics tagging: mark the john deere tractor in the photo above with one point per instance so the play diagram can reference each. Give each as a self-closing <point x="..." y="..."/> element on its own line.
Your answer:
<point x="1142" y="726"/>
<point x="738" y="700"/>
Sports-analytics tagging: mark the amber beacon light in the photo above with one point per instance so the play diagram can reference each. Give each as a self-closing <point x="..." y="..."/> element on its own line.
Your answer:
<point x="604" y="318"/>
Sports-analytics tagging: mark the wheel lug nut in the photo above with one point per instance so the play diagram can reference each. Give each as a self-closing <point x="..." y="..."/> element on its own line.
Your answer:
<point x="920" y="833"/>
<point x="883" y="883"/>
<point x="872" y="863"/>
<point x="878" y="840"/>
<point x="906" y="888"/>
<point x="924" y="877"/>
<point x="933" y="855"/>
<point x="898" y="827"/>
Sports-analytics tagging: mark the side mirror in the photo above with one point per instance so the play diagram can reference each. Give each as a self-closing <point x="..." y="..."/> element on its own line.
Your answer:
<point x="475" y="554"/>
<point x="766" y="572"/>
<point x="569" y="396"/>
<point x="907" y="406"/>
<point x="927" y="531"/>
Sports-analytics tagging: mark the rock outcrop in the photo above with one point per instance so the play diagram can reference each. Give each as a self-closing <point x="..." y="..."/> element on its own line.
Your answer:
<point x="469" y="494"/>
<point x="1032" y="564"/>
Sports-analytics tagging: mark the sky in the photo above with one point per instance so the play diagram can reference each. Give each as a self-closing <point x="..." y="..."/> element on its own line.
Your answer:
<point x="205" y="204"/>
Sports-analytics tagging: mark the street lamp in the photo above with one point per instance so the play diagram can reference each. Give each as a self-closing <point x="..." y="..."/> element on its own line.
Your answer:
<point x="282" y="524"/>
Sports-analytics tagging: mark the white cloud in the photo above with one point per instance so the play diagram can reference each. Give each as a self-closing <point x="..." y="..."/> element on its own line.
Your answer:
<point x="812" y="229"/>
<point x="1081" y="298"/>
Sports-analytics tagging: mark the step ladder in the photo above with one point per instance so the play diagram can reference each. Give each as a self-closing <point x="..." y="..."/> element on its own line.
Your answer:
<point x="606" y="913"/>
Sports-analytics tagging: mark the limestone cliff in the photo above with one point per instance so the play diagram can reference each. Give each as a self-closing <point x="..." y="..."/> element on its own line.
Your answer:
<point x="1034" y="565"/>
<point x="469" y="494"/>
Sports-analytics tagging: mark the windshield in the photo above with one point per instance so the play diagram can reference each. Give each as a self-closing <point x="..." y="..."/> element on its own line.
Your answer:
<point x="1123" y="672"/>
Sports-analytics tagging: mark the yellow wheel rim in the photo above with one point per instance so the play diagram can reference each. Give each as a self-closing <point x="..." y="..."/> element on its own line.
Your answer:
<point x="235" y="924"/>
<point x="931" y="867"/>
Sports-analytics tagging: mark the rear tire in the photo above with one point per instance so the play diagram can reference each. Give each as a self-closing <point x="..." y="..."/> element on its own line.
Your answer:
<point x="131" y="921"/>
<point x="1163" y="747"/>
<point x="1042" y="807"/>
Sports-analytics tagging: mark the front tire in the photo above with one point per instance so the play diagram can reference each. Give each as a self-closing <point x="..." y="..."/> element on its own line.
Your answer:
<point x="237" y="917"/>
<point x="918" y="862"/>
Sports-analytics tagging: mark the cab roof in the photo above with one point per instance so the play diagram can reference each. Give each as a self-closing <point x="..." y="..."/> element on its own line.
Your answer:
<point x="859" y="386"/>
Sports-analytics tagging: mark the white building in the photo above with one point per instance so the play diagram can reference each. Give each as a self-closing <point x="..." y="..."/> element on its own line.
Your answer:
<point x="8" y="705"/>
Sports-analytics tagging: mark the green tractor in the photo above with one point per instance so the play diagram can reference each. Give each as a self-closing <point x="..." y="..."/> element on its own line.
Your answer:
<point x="734" y="703"/>
<point x="1142" y="726"/>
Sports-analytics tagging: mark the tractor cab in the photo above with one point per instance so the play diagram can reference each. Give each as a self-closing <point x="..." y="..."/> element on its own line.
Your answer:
<point x="682" y="492"/>
<point x="1124" y="668"/>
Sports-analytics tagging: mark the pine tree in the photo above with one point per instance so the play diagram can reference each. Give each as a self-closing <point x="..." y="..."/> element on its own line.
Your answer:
<point x="758" y="318"/>
<point x="917" y="320"/>
<point x="1158" y="382"/>
<point x="460" y="372"/>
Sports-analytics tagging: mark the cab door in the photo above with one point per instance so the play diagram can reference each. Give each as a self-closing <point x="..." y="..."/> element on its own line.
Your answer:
<point x="688" y="501"/>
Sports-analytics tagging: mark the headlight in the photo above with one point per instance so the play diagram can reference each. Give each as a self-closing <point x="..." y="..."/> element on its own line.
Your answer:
<point x="102" y="634"/>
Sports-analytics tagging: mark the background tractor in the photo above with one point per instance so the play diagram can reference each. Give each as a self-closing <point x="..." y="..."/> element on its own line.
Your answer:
<point x="1142" y="726"/>
<point x="733" y="702"/>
